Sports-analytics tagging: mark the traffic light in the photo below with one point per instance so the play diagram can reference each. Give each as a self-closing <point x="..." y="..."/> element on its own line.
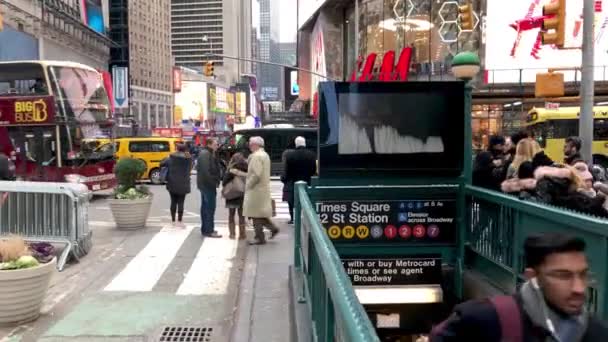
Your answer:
<point x="554" y="23"/>
<point x="466" y="17"/>
<point x="209" y="69"/>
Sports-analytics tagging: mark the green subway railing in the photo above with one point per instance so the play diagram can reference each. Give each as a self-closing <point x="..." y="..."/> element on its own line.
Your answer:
<point x="335" y="311"/>
<point x="498" y="224"/>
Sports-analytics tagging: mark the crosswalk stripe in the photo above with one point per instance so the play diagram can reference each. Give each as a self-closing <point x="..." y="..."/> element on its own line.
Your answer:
<point x="143" y="272"/>
<point x="209" y="274"/>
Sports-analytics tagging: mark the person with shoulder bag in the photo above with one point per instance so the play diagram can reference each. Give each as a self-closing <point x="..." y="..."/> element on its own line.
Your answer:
<point x="233" y="190"/>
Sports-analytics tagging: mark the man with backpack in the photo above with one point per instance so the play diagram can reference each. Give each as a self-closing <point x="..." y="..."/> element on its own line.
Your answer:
<point x="550" y="306"/>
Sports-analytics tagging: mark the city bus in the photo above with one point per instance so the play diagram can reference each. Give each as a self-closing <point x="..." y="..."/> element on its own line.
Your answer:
<point x="551" y="127"/>
<point x="48" y="110"/>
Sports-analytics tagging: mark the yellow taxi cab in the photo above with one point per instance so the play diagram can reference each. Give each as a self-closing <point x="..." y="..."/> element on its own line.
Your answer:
<point x="151" y="150"/>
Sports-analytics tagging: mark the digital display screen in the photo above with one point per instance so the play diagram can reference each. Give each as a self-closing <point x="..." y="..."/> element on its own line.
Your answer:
<point x="94" y="15"/>
<point x="395" y="126"/>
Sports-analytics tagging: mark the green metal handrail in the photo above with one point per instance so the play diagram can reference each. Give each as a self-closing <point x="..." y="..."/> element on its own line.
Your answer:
<point x="498" y="224"/>
<point x="338" y="296"/>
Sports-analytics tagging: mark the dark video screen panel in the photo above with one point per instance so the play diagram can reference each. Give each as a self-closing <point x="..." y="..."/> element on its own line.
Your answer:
<point x="401" y="127"/>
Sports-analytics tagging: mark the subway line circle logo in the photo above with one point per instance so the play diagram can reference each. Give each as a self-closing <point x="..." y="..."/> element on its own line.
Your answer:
<point x="405" y="231"/>
<point x="362" y="232"/>
<point x="348" y="232"/>
<point x="390" y="232"/>
<point x="377" y="232"/>
<point x="334" y="232"/>
<point x="419" y="231"/>
<point x="433" y="231"/>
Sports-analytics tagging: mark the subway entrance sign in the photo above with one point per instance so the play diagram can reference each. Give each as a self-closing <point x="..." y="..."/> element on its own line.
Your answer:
<point x="383" y="221"/>
<point x="390" y="198"/>
<point x="403" y="270"/>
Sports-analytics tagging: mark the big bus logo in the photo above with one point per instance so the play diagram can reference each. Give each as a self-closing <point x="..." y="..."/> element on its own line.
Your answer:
<point x="31" y="111"/>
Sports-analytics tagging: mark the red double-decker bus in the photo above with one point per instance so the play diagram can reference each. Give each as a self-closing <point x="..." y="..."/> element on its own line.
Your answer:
<point x="47" y="111"/>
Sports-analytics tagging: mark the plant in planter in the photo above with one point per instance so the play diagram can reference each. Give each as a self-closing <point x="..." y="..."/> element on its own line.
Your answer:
<point x="25" y="274"/>
<point x="131" y="203"/>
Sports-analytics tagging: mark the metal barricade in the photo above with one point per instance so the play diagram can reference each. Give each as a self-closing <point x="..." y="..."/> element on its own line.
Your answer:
<point x="47" y="212"/>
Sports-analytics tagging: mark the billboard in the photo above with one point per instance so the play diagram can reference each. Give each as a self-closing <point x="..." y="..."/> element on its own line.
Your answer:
<point x="513" y="41"/>
<point x="92" y="15"/>
<point x="221" y="100"/>
<point x="191" y="102"/>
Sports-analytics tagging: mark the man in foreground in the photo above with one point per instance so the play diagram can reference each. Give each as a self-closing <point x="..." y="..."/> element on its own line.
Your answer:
<point x="550" y="306"/>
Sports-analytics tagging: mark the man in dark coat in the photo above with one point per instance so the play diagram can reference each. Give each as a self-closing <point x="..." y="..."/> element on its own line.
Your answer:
<point x="207" y="180"/>
<point x="487" y="169"/>
<point x="300" y="165"/>
<point x="549" y="307"/>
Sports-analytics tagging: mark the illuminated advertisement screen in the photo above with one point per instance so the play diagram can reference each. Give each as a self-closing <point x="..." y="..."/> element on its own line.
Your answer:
<point x="221" y="100"/>
<point x="190" y="102"/>
<point x="402" y="127"/>
<point x="513" y="41"/>
<point x="93" y="15"/>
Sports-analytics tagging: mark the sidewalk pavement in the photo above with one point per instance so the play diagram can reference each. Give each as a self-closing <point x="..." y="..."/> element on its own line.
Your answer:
<point x="263" y="306"/>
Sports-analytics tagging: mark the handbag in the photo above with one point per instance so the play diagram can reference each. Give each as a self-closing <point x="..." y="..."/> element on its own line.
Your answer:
<point x="234" y="189"/>
<point x="164" y="173"/>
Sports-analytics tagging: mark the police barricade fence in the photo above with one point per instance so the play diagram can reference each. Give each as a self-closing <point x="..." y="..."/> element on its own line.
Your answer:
<point x="56" y="213"/>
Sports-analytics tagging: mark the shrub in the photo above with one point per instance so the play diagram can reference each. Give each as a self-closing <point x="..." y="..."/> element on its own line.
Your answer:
<point x="128" y="171"/>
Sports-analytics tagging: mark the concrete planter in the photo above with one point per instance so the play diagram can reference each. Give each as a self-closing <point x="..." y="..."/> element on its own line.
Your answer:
<point x="131" y="214"/>
<point x="22" y="292"/>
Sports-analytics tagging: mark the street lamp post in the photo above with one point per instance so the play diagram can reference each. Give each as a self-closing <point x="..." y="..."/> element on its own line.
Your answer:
<point x="465" y="66"/>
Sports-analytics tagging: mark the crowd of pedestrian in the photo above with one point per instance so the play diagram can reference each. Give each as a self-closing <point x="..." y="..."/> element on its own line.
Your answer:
<point x="245" y="188"/>
<point x="517" y="165"/>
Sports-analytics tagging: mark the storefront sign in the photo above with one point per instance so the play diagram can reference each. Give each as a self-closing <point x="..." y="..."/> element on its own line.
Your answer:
<point x="393" y="271"/>
<point x="412" y="221"/>
<point x="388" y="70"/>
<point x="27" y="110"/>
<point x="177" y="79"/>
<point x="167" y="132"/>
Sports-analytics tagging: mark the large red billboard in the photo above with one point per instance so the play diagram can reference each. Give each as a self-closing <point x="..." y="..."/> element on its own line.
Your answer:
<point x="27" y="110"/>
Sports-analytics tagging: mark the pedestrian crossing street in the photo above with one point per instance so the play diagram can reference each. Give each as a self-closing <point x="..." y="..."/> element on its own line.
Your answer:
<point x="208" y="271"/>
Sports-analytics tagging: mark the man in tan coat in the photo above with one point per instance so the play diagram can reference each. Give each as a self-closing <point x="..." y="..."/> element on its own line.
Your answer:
<point x="257" y="204"/>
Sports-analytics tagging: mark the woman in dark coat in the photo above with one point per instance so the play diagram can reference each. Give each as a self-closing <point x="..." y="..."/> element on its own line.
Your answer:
<point x="237" y="167"/>
<point x="179" y="165"/>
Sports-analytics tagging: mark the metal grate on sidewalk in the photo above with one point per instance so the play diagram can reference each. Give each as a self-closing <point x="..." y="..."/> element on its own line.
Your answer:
<point x="186" y="334"/>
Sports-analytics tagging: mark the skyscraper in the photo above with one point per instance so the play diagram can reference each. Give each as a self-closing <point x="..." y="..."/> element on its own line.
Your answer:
<point x="200" y="28"/>
<point x="269" y="76"/>
<point x="141" y="30"/>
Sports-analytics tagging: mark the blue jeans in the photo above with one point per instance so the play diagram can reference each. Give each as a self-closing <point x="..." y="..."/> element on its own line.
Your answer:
<point x="208" y="210"/>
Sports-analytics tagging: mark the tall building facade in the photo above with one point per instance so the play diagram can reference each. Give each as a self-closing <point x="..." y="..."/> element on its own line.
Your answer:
<point x="288" y="54"/>
<point x="141" y="30"/>
<point x="64" y="30"/>
<point x="269" y="76"/>
<point x="201" y="28"/>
